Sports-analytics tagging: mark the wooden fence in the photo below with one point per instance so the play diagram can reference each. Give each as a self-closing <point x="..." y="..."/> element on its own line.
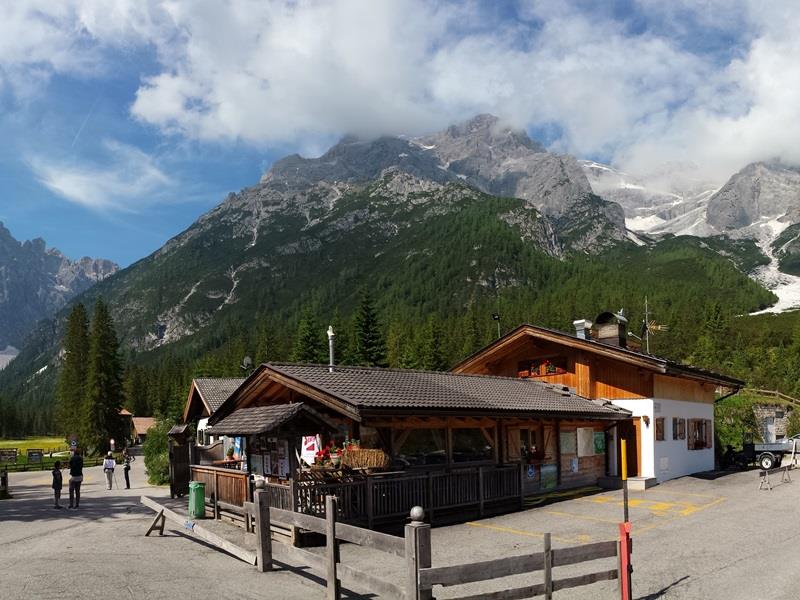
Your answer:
<point x="414" y="548"/>
<point x="223" y="487"/>
<point x="519" y="565"/>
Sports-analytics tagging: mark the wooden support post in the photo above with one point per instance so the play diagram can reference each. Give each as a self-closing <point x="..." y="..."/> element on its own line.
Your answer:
<point x="548" y="568"/>
<point x="331" y="549"/>
<point x="216" y="497"/>
<point x="480" y="491"/>
<point x="158" y="523"/>
<point x="263" y="532"/>
<point x="418" y="554"/>
<point x="521" y="485"/>
<point x="430" y="496"/>
<point x="370" y="507"/>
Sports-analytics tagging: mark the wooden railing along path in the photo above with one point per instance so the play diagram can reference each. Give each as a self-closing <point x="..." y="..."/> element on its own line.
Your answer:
<point x="414" y="548"/>
<point x="224" y="488"/>
<point x="388" y="496"/>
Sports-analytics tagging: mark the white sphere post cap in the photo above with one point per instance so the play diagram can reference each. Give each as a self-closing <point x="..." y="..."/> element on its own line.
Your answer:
<point x="417" y="514"/>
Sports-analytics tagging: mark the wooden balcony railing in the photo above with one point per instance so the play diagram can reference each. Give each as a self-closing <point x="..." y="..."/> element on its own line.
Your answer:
<point x="383" y="496"/>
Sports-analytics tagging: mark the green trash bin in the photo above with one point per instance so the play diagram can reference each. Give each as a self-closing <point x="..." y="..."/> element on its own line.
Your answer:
<point x="197" y="500"/>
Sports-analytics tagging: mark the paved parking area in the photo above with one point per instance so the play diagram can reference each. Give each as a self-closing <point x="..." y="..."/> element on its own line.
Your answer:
<point x="693" y="539"/>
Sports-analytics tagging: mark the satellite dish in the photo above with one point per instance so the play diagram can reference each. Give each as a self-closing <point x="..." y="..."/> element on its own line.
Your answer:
<point x="247" y="363"/>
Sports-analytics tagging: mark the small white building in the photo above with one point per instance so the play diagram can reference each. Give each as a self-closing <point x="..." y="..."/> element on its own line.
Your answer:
<point x="671" y="431"/>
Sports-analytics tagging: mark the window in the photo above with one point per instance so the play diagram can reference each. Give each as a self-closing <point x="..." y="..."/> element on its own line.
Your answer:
<point x="542" y="367"/>
<point x="472" y="445"/>
<point x="417" y="447"/>
<point x="659" y="429"/>
<point x="779" y="414"/>
<point x="678" y="428"/>
<point x="700" y="434"/>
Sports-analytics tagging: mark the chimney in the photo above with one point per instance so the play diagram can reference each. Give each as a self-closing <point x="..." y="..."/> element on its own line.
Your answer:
<point x="583" y="328"/>
<point x="331" y="335"/>
<point x="612" y="329"/>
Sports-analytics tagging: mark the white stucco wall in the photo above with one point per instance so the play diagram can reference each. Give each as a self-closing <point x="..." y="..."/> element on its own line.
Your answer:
<point x="674" y="454"/>
<point x="641" y="407"/>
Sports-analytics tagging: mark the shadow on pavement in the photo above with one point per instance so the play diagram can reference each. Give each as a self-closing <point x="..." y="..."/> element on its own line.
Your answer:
<point x="660" y="593"/>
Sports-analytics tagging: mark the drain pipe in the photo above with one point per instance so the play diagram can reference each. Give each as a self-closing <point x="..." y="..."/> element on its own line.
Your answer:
<point x="331" y="336"/>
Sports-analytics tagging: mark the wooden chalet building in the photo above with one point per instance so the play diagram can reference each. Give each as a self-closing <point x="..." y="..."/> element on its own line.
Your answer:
<point x="452" y="441"/>
<point x="671" y="430"/>
<point x="206" y="395"/>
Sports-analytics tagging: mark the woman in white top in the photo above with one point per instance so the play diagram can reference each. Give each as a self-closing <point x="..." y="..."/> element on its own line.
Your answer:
<point x="108" y="468"/>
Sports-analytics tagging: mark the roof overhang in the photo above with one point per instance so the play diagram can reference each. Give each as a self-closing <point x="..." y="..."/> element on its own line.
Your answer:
<point x="263" y="375"/>
<point x="644" y="361"/>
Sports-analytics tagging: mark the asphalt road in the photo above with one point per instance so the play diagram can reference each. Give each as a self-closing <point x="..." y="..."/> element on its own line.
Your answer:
<point x="99" y="550"/>
<point x="693" y="539"/>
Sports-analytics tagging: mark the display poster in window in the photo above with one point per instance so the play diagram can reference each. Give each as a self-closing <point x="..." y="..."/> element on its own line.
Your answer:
<point x="568" y="444"/>
<point x="283" y="458"/>
<point x="309" y="448"/>
<point x="585" y="441"/>
<point x="573" y="465"/>
<point x="267" y="465"/>
<point x="549" y="477"/>
<point x="531" y="472"/>
<point x="599" y="442"/>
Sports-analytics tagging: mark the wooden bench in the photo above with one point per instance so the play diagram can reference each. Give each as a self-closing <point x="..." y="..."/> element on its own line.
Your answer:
<point x="765" y="473"/>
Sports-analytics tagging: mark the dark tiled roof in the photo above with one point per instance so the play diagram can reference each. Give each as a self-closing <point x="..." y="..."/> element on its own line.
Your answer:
<point x="371" y="388"/>
<point x="215" y="390"/>
<point x="257" y="419"/>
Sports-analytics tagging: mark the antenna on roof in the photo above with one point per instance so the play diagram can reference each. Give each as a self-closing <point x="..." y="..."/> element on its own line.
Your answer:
<point x="331" y="336"/>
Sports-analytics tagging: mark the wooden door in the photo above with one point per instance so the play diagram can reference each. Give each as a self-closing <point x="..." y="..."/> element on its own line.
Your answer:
<point x="629" y="431"/>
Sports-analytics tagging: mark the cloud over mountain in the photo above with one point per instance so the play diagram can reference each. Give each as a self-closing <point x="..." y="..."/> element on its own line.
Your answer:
<point x="717" y="84"/>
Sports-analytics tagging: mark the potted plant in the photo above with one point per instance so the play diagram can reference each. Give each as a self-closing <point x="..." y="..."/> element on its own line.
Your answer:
<point x="229" y="453"/>
<point x="335" y="455"/>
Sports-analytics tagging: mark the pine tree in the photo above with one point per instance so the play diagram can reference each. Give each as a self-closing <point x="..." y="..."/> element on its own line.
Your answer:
<point x="71" y="387"/>
<point x="104" y="396"/>
<point x="370" y="347"/>
<point x="308" y="346"/>
<point x="136" y="397"/>
<point x="432" y="357"/>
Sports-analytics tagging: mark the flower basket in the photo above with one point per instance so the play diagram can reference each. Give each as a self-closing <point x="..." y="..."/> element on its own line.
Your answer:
<point x="366" y="458"/>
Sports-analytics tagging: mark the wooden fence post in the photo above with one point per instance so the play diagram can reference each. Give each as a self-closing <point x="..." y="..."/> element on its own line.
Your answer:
<point x="548" y="568"/>
<point x="480" y="491"/>
<point x="263" y="529"/>
<point x="418" y="554"/>
<point x="370" y="507"/>
<point x="331" y="549"/>
<point x="430" y="496"/>
<point x="216" y="497"/>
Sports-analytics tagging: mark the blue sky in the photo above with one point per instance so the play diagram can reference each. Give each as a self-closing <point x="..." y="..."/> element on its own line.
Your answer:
<point x="123" y="123"/>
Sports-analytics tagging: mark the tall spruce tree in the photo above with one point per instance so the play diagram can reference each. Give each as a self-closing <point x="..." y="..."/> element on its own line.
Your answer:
<point x="432" y="356"/>
<point x="104" y="396"/>
<point x="308" y="345"/>
<point x="369" y="345"/>
<point x="71" y="386"/>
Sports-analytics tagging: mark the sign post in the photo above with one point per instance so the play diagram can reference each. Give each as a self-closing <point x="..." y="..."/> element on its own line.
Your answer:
<point x="625" y="529"/>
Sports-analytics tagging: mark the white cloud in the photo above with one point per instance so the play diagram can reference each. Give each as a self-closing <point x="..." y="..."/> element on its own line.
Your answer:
<point x="128" y="181"/>
<point x="269" y="72"/>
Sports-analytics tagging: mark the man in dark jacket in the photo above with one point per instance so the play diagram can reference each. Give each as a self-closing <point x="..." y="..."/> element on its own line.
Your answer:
<point x="75" y="478"/>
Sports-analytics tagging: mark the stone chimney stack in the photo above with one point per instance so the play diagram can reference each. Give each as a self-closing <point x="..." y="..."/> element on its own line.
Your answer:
<point x="612" y="329"/>
<point x="583" y="328"/>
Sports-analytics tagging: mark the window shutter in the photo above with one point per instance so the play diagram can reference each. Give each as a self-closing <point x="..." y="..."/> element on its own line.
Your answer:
<point x="709" y="434"/>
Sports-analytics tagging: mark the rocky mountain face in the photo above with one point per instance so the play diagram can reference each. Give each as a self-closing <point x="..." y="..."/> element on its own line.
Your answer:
<point x="761" y="202"/>
<point x="376" y="198"/>
<point x="35" y="282"/>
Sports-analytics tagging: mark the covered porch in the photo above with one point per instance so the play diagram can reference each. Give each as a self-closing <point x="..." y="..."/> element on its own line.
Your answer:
<point x="458" y="445"/>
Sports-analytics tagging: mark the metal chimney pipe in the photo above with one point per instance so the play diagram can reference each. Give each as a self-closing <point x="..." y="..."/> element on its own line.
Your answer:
<point x="331" y="335"/>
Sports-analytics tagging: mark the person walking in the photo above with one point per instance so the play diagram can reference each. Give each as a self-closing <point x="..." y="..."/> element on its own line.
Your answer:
<point x="75" y="478"/>
<point x="57" y="483"/>
<point x="127" y="459"/>
<point x="108" y="468"/>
